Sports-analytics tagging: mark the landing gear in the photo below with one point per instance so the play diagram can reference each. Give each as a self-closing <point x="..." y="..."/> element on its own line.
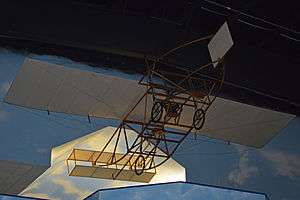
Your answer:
<point x="157" y="111"/>
<point x="198" y="119"/>
<point x="139" y="165"/>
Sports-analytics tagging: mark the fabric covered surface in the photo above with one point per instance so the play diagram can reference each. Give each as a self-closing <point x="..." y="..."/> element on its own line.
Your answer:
<point x="55" y="88"/>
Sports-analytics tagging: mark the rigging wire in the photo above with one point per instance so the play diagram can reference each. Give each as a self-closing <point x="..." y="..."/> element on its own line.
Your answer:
<point x="55" y="121"/>
<point x="254" y="25"/>
<point x="237" y="12"/>
<point x="187" y="69"/>
<point x="192" y="146"/>
<point x="214" y="12"/>
<point x="78" y="122"/>
<point x="184" y="153"/>
<point x="202" y="138"/>
<point x="240" y="13"/>
<point x="289" y="37"/>
<point x="215" y="153"/>
<point x="48" y="119"/>
<point x="253" y="17"/>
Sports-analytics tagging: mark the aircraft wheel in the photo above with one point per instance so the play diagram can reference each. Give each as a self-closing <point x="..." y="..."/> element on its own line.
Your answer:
<point x="199" y="119"/>
<point x="139" y="165"/>
<point x="157" y="111"/>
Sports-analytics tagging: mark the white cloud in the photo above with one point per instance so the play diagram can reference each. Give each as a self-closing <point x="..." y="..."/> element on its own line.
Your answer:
<point x="284" y="164"/>
<point x="244" y="171"/>
<point x="70" y="188"/>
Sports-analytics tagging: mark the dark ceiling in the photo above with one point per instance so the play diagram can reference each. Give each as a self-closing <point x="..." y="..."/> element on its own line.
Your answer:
<point x="261" y="69"/>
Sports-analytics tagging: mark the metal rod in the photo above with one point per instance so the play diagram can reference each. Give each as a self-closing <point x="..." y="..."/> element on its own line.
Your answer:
<point x="184" y="45"/>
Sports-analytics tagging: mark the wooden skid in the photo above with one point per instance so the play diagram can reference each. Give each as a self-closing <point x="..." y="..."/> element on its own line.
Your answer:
<point x="109" y="173"/>
<point x="105" y="158"/>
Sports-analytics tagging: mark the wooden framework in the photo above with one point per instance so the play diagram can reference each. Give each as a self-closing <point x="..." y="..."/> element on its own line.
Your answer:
<point x="157" y="138"/>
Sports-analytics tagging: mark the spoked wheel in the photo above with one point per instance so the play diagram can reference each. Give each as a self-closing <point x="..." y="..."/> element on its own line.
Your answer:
<point x="157" y="111"/>
<point x="139" y="165"/>
<point x="198" y="119"/>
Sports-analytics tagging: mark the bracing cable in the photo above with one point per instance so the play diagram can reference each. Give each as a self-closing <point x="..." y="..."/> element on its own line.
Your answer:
<point x="276" y="27"/>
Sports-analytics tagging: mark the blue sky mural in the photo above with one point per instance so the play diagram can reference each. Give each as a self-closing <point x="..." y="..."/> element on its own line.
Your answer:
<point x="175" y="191"/>
<point x="28" y="136"/>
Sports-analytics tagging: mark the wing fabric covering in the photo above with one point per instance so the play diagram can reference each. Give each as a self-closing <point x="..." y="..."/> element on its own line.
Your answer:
<point x="243" y="124"/>
<point x="51" y="87"/>
<point x="55" y="88"/>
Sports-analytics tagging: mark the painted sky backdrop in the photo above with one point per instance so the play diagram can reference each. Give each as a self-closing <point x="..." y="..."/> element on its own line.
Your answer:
<point x="174" y="191"/>
<point x="28" y="136"/>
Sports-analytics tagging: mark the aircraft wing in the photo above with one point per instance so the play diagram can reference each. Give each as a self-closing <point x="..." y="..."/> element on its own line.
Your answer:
<point x="44" y="86"/>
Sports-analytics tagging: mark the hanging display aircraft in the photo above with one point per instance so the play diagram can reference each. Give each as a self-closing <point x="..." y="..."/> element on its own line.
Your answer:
<point x="163" y="108"/>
